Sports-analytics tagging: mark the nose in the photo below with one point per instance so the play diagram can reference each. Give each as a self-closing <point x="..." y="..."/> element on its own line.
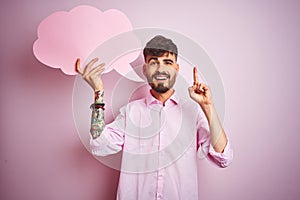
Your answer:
<point x="160" y="67"/>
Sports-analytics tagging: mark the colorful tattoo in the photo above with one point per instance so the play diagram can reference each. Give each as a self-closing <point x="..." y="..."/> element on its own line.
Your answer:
<point x="99" y="96"/>
<point x="97" y="121"/>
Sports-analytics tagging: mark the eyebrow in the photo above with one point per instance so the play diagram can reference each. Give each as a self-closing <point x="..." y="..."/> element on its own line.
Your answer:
<point x="165" y="60"/>
<point x="152" y="58"/>
<point x="168" y="60"/>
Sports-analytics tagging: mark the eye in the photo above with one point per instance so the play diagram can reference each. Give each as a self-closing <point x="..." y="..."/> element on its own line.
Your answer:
<point x="168" y="63"/>
<point x="153" y="64"/>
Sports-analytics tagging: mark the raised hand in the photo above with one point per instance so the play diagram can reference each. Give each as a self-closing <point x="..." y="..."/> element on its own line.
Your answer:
<point x="92" y="75"/>
<point x="200" y="92"/>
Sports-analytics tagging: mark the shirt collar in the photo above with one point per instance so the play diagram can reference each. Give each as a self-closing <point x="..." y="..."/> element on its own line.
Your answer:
<point x="152" y="100"/>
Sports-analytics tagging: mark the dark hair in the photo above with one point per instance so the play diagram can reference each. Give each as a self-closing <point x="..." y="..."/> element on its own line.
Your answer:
<point x="158" y="46"/>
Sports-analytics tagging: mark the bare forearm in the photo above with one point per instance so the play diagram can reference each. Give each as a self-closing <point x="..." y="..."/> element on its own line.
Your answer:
<point x="97" y="119"/>
<point x="218" y="136"/>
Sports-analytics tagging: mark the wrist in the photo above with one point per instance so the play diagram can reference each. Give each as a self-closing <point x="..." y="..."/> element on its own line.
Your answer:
<point x="98" y="89"/>
<point x="96" y="106"/>
<point x="206" y="106"/>
<point x="208" y="110"/>
<point x="98" y="96"/>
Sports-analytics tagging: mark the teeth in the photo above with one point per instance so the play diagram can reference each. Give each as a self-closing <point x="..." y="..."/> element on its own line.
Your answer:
<point x="160" y="77"/>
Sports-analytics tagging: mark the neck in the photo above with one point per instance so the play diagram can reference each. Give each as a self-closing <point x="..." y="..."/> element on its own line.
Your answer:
<point x="162" y="97"/>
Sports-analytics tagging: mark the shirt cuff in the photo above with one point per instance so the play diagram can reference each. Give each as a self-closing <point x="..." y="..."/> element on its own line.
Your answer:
<point x="222" y="159"/>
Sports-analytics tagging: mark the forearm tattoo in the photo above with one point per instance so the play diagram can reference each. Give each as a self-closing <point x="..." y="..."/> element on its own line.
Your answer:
<point x="98" y="96"/>
<point x="97" y="121"/>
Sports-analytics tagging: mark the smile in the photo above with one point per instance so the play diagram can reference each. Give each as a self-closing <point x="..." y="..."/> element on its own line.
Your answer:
<point x="161" y="77"/>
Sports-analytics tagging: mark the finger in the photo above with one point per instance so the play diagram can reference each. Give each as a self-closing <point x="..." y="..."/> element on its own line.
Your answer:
<point x="77" y="66"/>
<point x="100" y="68"/>
<point x="191" y="89"/>
<point x="199" y="88"/>
<point x="89" y="66"/>
<point x="96" y="71"/>
<point x="195" y="75"/>
<point x="205" y="87"/>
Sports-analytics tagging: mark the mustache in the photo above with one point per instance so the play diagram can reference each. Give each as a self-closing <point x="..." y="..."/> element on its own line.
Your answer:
<point x="160" y="73"/>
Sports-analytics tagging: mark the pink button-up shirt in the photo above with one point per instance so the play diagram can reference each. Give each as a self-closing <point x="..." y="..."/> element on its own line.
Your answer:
<point x="160" y="146"/>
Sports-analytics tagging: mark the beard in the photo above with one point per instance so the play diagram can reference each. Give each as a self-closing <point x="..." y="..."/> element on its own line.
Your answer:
<point x="162" y="87"/>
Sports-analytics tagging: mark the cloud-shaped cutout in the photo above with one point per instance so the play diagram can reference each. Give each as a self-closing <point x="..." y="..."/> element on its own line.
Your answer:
<point x="65" y="36"/>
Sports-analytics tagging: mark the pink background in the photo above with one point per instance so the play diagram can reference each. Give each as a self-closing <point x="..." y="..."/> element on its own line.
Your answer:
<point x="255" y="46"/>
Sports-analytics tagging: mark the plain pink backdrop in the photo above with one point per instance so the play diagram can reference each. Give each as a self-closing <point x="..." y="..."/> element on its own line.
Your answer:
<point x="255" y="46"/>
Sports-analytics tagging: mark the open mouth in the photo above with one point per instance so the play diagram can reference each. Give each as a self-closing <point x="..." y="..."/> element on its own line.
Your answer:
<point x="161" y="77"/>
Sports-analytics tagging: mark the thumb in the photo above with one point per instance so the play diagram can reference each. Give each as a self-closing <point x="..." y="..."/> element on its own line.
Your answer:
<point x="191" y="89"/>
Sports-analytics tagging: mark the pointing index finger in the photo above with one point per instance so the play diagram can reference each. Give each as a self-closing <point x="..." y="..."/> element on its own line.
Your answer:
<point x="195" y="75"/>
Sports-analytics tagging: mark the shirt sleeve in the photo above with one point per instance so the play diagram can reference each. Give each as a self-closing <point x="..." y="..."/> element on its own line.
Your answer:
<point x="111" y="139"/>
<point x="205" y="149"/>
<point x="221" y="159"/>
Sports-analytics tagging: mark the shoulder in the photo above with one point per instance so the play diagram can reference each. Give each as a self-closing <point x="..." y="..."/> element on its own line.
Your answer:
<point x="134" y="105"/>
<point x="191" y="106"/>
<point x="141" y="101"/>
<point x="193" y="111"/>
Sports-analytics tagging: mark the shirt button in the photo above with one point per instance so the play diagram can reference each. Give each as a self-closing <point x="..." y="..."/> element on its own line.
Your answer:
<point x="160" y="176"/>
<point x="159" y="195"/>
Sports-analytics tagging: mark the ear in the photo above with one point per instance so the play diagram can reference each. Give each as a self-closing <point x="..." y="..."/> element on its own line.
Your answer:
<point x="177" y="67"/>
<point x="144" y="69"/>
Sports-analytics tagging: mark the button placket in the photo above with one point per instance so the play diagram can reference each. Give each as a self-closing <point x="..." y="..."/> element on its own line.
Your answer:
<point x="160" y="180"/>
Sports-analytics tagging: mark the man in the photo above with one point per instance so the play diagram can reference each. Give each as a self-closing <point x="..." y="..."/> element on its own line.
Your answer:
<point x="161" y="134"/>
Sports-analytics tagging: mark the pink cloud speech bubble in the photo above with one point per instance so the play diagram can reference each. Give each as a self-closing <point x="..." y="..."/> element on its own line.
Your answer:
<point x="65" y="36"/>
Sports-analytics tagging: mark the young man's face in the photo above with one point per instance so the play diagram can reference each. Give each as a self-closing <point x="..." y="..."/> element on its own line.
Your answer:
<point x="161" y="72"/>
